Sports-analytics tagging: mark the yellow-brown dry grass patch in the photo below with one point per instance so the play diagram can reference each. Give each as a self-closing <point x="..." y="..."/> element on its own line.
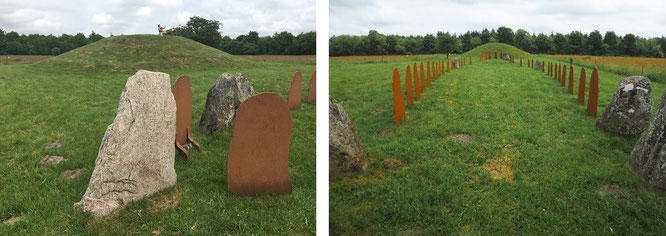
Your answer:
<point x="165" y="201"/>
<point x="500" y="167"/>
<point x="645" y="64"/>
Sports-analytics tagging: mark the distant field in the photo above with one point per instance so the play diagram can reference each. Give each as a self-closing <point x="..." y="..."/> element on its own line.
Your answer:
<point x="282" y="58"/>
<point x="636" y="64"/>
<point x="21" y="59"/>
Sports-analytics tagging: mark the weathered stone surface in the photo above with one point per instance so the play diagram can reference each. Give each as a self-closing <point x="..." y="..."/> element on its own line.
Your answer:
<point x="629" y="111"/>
<point x="258" y="155"/>
<point x="226" y="95"/>
<point x="538" y="64"/>
<point x="398" y="102"/>
<point x="136" y="156"/>
<point x="345" y="150"/>
<point x="647" y="160"/>
<point x="456" y="63"/>
<point x="312" y="90"/>
<point x="294" y="99"/>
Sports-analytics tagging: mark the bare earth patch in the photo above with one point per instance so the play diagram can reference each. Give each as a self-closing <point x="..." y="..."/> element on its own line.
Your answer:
<point x="165" y="201"/>
<point x="385" y="133"/>
<point x="501" y="167"/>
<point x="610" y="189"/>
<point x="72" y="174"/>
<point x="48" y="159"/>
<point x="391" y="164"/>
<point x="54" y="144"/>
<point x="12" y="221"/>
<point x="377" y="111"/>
<point x="462" y="138"/>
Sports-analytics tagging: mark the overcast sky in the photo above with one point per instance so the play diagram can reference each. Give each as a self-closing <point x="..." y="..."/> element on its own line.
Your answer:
<point x="142" y="16"/>
<point x="420" y="17"/>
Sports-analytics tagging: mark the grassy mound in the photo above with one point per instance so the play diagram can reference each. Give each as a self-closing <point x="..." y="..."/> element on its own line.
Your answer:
<point x="150" y="52"/>
<point x="501" y="47"/>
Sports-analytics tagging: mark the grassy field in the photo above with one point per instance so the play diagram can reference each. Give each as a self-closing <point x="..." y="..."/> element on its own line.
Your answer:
<point x="536" y="163"/>
<point x="21" y="59"/>
<point x="653" y="68"/>
<point x="74" y="103"/>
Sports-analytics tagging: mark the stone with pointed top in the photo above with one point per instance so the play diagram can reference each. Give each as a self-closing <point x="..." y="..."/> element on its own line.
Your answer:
<point x="136" y="157"/>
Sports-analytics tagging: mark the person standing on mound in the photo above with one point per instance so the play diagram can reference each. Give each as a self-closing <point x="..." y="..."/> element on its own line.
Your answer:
<point x="161" y="29"/>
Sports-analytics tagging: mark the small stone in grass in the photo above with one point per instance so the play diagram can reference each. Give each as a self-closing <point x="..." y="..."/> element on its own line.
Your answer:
<point x="54" y="144"/>
<point x="385" y="132"/>
<point x="48" y="159"/>
<point x="610" y="189"/>
<point x="72" y="174"/>
<point x="391" y="164"/>
<point x="11" y="221"/>
<point x="462" y="138"/>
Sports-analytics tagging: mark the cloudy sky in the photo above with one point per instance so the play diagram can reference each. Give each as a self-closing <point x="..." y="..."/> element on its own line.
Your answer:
<point x="142" y="16"/>
<point x="420" y="17"/>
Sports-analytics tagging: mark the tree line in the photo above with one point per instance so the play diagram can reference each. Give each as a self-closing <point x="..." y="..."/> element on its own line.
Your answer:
<point x="283" y="43"/>
<point x="576" y="42"/>
<point x="13" y="43"/>
<point x="198" y="29"/>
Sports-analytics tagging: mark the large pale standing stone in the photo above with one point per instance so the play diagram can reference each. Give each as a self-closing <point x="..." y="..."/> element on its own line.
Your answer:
<point x="136" y="156"/>
<point x="648" y="159"/>
<point x="629" y="111"/>
<point x="226" y="95"/>
<point x="345" y="150"/>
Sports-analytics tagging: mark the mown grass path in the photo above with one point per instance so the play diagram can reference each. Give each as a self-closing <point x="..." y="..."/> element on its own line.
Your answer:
<point x="536" y="164"/>
<point x="40" y="105"/>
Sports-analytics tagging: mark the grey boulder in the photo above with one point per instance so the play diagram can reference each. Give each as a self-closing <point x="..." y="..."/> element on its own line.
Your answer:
<point x="226" y="95"/>
<point x="648" y="159"/>
<point x="346" y="152"/>
<point x="629" y="111"/>
<point x="136" y="157"/>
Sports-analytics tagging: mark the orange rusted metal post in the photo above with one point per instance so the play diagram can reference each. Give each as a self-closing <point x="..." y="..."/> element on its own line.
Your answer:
<point x="571" y="80"/>
<point x="428" y="62"/>
<point x="423" y="82"/>
<point x="398" y="103"/>
<point x="182" y="94"/>
<point x="408" y="86"/>
<point x="417" y="82"/>
<point x="581" y="86"/>
<point x="593" y="98"/>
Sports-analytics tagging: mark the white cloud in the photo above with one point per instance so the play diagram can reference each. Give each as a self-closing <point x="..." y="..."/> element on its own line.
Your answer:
<point x="183" y="17"/>
<point x="144" y="11"/>
<point x="420" y="17"/>
<point x="142" y="16"/>
<point x="166" y="2"/>
<point x="102" y="18"/>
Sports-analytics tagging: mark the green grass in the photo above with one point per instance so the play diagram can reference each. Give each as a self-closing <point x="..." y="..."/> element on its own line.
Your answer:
<point x="500" y="47"/>
<point x="41" y="103"/>
<point x="129" y="53"/>
<point x="520" y="119"/>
